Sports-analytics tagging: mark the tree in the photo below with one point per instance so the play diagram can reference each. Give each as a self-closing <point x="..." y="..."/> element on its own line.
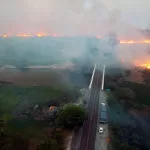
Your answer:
<point x="84" y="102"/>
<point x="127" y="72"/>
<point x="124" y="93"/>
<point x="71" y="95"/>
<point x="112" y="86"/>
<point x="146" y="76"/>
<point x="71" y="116"/>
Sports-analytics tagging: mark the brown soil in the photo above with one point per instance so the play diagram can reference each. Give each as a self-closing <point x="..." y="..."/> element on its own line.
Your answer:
<point x="34" y="76"/>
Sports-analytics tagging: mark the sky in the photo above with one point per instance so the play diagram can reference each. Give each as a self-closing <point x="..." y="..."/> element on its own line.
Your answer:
<point x="73" y="17"/>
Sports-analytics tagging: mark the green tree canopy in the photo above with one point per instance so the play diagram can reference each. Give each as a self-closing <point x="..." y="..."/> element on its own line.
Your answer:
<point x="124" y="93"/>
<point x="112" y="86"/>
<point x="146" y="76"/>
<point x="71" y="115"/>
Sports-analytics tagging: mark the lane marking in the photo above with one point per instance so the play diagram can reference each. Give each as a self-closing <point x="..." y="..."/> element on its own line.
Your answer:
<point x="92" y="77"/>
<point x="103" y="78"/>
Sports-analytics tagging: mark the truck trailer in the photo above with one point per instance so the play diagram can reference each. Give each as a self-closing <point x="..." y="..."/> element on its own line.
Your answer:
<point x="103" y="113"/>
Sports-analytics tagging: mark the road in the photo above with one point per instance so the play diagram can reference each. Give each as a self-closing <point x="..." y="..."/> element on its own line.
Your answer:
<point x="89" y="127"/>
<point x="101" y="139"/>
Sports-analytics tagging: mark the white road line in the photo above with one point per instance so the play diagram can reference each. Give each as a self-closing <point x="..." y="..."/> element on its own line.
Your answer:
<point x="103" y="78"/>
<point x="92" y="77"/>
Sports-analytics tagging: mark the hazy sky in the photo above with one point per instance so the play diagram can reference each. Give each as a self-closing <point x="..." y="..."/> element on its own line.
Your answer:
<point x="73" y="17"/>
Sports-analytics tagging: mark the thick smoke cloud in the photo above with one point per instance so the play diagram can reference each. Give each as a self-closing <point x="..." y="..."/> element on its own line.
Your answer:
<point x="67" y="17"/>
<point x="80" y="17"/>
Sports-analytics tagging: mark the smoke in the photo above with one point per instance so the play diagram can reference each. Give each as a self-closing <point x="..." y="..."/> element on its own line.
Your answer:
<point x="79" y="18"/>
<point x="54" y="16"/>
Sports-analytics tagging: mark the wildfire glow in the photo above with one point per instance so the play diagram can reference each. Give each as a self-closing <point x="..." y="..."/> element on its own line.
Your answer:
<point x="24" y="35"/>
<point x="146" y="41"/>
<point x="134" y="42"/>
<point x="5" y="35"/>
<point x="41" y="34"/>
<point x="144" y="65"/>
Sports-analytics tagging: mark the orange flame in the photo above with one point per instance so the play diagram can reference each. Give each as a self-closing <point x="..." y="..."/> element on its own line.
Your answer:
<point x="144" y="65"/>
<point x="5" y="36"/>
<point x="134" y="42"/>
<point x="146" y="41"/>
<point x="23" y="35"/>
<point x="41" y="34"/>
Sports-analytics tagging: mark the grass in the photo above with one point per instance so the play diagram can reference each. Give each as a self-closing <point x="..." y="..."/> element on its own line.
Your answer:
<point x="11" y="96"/>
<point x="18" y="98"/>
<point x="26" y="128"/>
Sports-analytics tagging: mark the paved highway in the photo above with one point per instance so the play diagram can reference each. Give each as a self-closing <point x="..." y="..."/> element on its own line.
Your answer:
<point x="89" y="127"/>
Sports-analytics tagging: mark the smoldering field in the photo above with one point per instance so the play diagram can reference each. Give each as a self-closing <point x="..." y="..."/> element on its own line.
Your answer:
<point x="48" y="60"/>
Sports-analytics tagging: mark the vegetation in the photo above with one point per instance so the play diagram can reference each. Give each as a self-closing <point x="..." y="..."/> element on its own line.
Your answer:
<point x="117" y="142"/>
<point x="13" y="142"/>
<point x="124" y="93"/>
<point x="141" y="91"/>
<point x="146" y="76"/>
<point x="13" y="98"/>
<point x="53" y="143"/>
<point x="71" y="116"/>
<point x="112" y="86"/>
<point x="127" y="72"/>
<point x="49" y="145"/>
<point x="125" y="133"/>
<point x="133" y="93"/>
<point x="23" y="52"/>
<point x="20" y="101"/>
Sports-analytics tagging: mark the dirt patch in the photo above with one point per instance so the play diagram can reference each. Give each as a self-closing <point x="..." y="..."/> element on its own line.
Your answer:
<point x="66" y="134"/>
<point x="135" y="76"/>
<point x="34" y="76"/>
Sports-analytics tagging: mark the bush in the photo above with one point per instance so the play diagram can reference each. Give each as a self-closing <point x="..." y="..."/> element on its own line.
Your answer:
<point x="71" y="116"/>
<point x="124" y="93"/>
<point x="112" y="86"/>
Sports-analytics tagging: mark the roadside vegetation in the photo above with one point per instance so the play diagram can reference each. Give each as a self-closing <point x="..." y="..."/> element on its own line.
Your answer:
<point x="71" y="116"/>
<point x="126" y="96"/>
<point x="28" y="116"/>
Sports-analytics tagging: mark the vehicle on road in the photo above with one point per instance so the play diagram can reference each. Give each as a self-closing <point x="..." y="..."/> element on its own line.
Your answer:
<point x="103" y="107"/>
<point x="101" y="130"/>
<point x="103" y="117"/>
<point x="103" y="113"/>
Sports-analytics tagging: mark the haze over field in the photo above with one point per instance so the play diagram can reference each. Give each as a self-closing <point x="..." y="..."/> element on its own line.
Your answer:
<point x="80" y="17"/>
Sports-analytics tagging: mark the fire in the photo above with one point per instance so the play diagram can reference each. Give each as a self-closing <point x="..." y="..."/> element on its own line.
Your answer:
<point x="146" y="41"/>
<point x="134" y="42"/>
<point x="24" y="35"/>
<point x="144" y="65"/>
<point x="40" y="34"/>
<point x="5" y="36"/>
